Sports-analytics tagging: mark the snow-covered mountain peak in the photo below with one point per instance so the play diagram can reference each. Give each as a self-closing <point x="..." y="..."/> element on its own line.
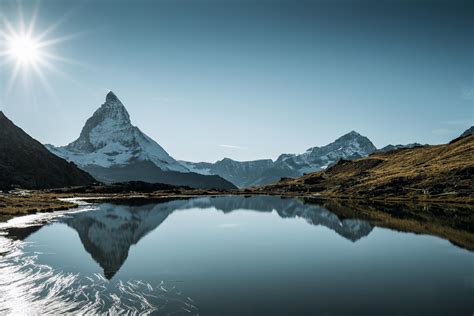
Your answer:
<point x="109" y="139"/>
<point x="111" y="97"/>
<point x="114" y="109"/>
<point x="349" y="146"/>
<point x="349" y="136"/>
<point x="351" y="143"/>
<point x="110" y="118"/>
<point x="352" y="133"/>
<point x="283" y="157"/>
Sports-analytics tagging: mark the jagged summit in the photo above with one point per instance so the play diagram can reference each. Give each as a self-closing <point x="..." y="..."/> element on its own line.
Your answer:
<point x="352" y="134"/>
<point x="345" y="139"/>
<point x="349" y="146"/>
<point x="113" y="107"/>
<point x="112" y="116"/>
<point x="349" y="136"/>
<point x="111" y="97"/>
<point x="109" y="139"/>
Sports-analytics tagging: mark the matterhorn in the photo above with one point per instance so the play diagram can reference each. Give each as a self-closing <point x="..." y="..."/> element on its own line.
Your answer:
<point x="111" y="149"/>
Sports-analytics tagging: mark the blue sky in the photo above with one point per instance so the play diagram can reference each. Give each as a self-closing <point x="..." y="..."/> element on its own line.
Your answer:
<point x="250" y="79"/>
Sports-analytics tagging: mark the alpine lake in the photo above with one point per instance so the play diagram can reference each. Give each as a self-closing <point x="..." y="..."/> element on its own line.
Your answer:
<point x="240" y="255"/>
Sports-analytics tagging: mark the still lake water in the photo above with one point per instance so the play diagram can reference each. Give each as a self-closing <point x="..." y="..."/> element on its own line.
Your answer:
<point x="227" y="256"/>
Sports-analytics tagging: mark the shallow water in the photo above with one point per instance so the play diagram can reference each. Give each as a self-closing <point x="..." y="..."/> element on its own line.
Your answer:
<point x="226" y="255"/>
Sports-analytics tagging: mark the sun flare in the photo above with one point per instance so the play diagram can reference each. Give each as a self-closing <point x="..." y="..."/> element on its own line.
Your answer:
<point x="27" y="52"/>
<point x="24" y="49"/>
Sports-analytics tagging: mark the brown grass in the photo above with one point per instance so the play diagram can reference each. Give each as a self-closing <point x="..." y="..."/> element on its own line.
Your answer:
<point x="431" y="173"/>
<point x="38" y="201"/>
<point x="29" y="203"/>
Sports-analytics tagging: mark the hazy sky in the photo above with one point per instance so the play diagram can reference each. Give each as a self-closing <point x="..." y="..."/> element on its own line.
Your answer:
<point x="250" y="79"/>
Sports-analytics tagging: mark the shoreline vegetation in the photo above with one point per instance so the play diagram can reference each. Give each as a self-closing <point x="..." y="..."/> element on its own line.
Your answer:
<point x="30" y="202"/>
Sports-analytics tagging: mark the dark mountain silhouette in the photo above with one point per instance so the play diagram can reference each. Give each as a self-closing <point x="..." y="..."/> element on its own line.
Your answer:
<point x="148" y="172"/>
<point x="26" y="163"/>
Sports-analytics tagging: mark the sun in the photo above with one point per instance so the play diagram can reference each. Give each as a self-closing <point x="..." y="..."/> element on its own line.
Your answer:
<point x="24" y="49"/>
<point x="28" y="53"/>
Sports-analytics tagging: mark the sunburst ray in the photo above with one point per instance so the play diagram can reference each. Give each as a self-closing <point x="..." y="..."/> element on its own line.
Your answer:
<point x="27" y="49"/>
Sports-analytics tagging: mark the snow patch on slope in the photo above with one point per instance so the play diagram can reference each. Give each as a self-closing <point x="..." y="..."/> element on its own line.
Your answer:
<point x="109" y="139"/>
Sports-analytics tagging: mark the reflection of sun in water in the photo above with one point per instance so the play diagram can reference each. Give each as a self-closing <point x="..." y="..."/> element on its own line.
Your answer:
<point x="25" y="50"/>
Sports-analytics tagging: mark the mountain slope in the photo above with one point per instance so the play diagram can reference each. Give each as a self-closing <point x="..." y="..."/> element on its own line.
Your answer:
<point x="26" y="163"/>
<point x="442" y="172"/>
<point x="260" y="172"/>
<point x="113" y="150"/>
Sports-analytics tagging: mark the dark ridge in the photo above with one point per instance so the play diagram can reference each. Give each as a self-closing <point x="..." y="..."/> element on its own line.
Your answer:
<point x="26" y="163"/>
<point x="146" y="171"/>
<point x="468" y="132"/>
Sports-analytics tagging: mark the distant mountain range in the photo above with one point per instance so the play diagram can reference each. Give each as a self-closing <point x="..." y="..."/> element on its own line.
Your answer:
<point x="260" y="172"/>
<point x="26" y="163"/>
<point x="111" y="149"/>
<point x="240" y="173"/>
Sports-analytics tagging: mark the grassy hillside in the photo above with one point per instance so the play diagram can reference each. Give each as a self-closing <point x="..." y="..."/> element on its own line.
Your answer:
<point x="441" y="172"/>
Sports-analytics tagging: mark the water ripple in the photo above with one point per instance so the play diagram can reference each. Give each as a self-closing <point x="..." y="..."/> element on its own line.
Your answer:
<point x="28" y="287"/>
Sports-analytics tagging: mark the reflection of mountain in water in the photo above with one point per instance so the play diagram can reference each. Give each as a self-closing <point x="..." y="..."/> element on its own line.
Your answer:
<point x="352" y="229"/>
<point x="108" y="232"/>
